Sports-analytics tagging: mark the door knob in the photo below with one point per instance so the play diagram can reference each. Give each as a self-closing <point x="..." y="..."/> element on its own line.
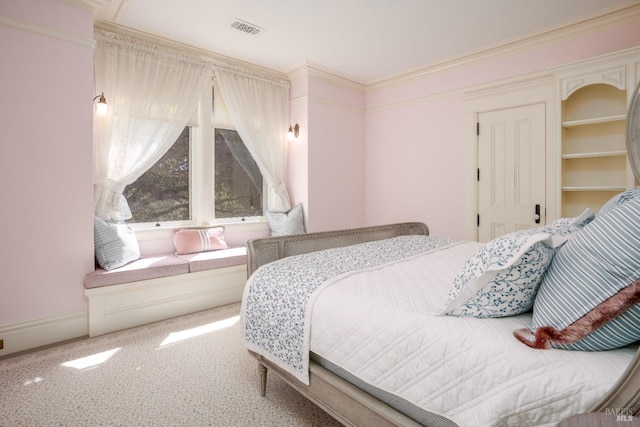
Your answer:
<point x="536" y="216"/>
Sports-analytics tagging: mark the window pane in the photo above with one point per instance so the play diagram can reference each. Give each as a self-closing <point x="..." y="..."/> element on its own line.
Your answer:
<point x="162" y="192"/>
<point x="238" y="181"/>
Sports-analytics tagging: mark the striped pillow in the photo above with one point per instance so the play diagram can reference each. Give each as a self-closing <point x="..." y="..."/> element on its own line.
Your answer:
<point x="588" y="299"/>
<point x="192" y="240"/>
<point x="115" y="244"/>
<point x="619" y="199"/>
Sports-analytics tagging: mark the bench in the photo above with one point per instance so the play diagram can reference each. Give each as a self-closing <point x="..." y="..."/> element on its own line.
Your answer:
<point x="159" y="287"/>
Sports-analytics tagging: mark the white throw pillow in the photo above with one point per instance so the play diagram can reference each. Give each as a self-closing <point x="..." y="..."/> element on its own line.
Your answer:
<point x="115" y="244"/>
<point x="287" y="223"/>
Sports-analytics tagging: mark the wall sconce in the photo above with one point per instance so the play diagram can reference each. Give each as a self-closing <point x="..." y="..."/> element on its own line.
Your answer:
<point x="294" y="131"/>
<point x="101" y="108"/>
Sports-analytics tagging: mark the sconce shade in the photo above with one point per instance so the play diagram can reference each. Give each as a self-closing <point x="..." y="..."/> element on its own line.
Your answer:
<point x="101" y="107"/>
<point x="294" y="131"/>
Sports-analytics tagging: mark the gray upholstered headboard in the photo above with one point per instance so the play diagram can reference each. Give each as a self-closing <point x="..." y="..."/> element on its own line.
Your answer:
<point x="269" y="249"/>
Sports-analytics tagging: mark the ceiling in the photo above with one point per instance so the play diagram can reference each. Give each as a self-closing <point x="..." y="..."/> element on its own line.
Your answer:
<point x="364" y="40"/>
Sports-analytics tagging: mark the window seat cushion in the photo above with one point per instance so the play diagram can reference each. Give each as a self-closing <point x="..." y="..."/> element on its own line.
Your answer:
<point x="149" y="267"/>
<point x="202" y="261"/>
<point x="152" y="267"/>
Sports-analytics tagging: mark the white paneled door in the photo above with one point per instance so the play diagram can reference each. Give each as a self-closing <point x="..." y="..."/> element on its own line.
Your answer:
<point x="511" y="170"/>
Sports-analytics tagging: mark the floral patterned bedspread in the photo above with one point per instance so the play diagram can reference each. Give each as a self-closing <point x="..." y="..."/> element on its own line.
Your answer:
<point x="278" y="297"/>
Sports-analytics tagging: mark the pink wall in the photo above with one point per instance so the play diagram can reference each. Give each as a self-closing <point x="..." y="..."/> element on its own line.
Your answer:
<point x="45" y="161"/>
<point x="297" y="163"/>
<point x="327" y="166"/>
<point x="387" y="154"/>
<point x="414" y="165"/>
<point x="415" y="138"/>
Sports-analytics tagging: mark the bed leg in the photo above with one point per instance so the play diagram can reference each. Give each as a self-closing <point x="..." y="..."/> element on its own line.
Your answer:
<point x="262" y="370"/>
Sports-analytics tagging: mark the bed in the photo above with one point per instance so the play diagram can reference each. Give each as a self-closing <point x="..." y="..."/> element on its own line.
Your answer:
<point x="388" y="326"/>
<point x="613" y="376"/>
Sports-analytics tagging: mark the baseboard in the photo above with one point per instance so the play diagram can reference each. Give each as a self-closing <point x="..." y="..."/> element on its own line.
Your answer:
<point x="117" y="307"/>
<point x="113" y="308"/>
<point x="41" y="332"/>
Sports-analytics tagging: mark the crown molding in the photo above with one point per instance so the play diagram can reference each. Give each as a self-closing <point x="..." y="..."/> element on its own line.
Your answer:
<point x="302" y="99"/>
<point x="310" y="70"/>
<point x="510" y="84"/>
<point x="616" y="16"/>
<point x="336" y="105"/>
<point x="298" y="73"/>
<point x="46" y="31"/>
<point x="422" y="98"/>
<point x="200" y="52"/>
<point x="470" y="93"/>
<point x="307" y="71"/>
<point x="602" y="61"/>
<point x="91" y="5"/>
<point x="306" y="100"/>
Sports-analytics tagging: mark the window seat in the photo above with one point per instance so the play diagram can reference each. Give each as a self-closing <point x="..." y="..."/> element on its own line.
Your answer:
<point x="159" y="287"/>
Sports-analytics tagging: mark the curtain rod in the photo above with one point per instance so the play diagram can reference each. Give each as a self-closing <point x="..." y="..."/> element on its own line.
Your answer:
<point x="248" y="73"/>
<point x="215" y="58"/>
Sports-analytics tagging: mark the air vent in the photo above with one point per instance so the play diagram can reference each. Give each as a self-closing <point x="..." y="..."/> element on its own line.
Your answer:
<point x="245" y="27"/>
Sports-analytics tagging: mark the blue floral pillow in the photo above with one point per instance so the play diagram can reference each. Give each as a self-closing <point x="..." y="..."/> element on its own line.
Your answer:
<point x="502" y="278"/>
<point x="562" y="229"/>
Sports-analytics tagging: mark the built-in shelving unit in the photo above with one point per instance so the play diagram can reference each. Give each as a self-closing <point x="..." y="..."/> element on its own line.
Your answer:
<point x="593" y="106"/>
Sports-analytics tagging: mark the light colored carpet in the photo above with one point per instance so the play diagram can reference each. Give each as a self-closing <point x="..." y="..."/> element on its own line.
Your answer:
<point x="187" y="371"/>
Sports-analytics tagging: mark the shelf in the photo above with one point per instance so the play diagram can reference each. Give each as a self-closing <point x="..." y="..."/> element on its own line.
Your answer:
<point x="592" y="111"/>
<point x="598" y="138"/>
<point x="594" y="172"/>
<point x="593" y="121"/>
<point x="618" y="188"/>
<point x="575" y="202"/>
<point x="595" y="154"/>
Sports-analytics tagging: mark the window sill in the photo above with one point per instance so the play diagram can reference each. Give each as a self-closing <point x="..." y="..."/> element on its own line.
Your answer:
<point x="233" y="226"/>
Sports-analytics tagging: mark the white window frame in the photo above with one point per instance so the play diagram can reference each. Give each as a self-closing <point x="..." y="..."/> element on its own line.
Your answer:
<point x="201" y="185"/>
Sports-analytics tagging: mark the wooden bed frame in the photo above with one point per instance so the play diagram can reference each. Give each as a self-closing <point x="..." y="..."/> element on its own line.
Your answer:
<point x="347" y="403"/>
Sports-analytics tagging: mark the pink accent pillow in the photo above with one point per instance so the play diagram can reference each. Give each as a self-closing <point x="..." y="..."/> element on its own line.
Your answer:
<point x="192" y="240"/>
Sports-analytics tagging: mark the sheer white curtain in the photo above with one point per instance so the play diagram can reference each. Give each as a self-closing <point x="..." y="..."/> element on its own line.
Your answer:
<point x="151" y="93"/>
<point x="259" y="108"/>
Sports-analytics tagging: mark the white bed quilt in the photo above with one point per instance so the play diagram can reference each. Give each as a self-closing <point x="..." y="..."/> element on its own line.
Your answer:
<point x="275" y="311"/>
<point x="380" y="326"/>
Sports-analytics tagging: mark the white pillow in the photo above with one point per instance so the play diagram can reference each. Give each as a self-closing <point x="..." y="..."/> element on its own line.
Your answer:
<point x="286" y="223"/>
<point x="115" y="244"/>
<point x="502" y="278"/>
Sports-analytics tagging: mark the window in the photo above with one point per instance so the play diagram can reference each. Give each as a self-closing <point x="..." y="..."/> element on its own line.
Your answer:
<point x="208" y="175"/>
<point x="162" y="194"/>
<point x="238" y="181"/>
